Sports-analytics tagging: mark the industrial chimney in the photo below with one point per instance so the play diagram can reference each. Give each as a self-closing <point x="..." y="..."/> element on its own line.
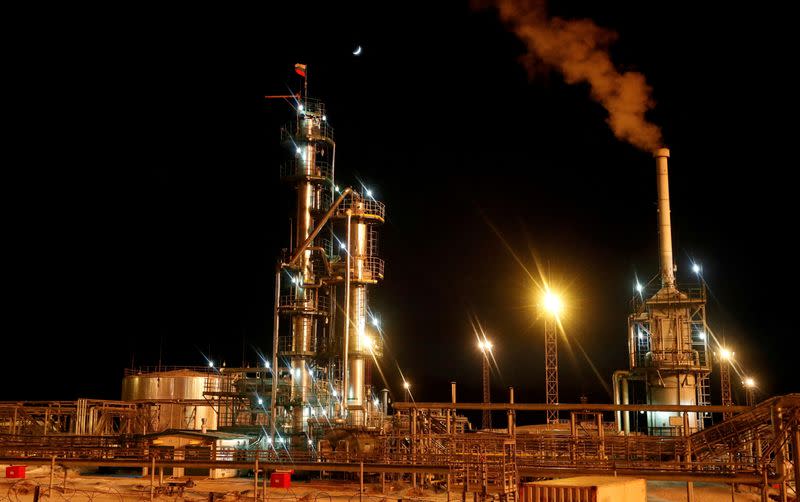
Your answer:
<point x="664" y="223"/>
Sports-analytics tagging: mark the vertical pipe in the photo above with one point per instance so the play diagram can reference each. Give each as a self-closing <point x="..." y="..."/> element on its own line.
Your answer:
<point x="510" y="414"/>
<point x="273" y="408"/>
<point x="255" y="481"/>
<point x="664" y="223"/>
<point x="152" y="477"/>
<point x="52" y="473"/>
<point x="796" y="460"/>
<point x="414" y="444"/>
<point x="626" y="418"/>
<point x="343" y="411"/>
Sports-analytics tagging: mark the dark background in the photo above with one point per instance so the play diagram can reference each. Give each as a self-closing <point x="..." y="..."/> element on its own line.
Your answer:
<point x="144" y="210"/>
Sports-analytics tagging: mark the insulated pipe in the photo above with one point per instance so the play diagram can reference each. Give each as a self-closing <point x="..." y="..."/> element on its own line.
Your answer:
<point x="664" y="224"/>
<point x="615" y="379"/>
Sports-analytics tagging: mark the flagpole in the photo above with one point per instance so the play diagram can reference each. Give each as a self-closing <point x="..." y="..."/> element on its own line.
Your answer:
<point x="305" y="84"/>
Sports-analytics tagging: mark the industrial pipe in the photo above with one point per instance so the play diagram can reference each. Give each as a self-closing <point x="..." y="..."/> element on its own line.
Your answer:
<point x="664" y="223"/>
<point x="623" y="421"/>
<point x="273" y="408"/>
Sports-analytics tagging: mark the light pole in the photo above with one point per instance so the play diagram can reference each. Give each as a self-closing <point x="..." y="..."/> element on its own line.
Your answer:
<point x="749" y="391"/>
<point x="486" y="349"/>
<point x="725" y="357"/>
<point x="552" y="306"/>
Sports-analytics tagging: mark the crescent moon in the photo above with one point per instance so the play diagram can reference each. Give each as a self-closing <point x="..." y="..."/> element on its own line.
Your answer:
<point x="357" y="51"/>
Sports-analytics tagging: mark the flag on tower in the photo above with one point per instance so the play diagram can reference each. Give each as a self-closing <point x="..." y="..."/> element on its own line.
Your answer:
<point x="300" y="69"/>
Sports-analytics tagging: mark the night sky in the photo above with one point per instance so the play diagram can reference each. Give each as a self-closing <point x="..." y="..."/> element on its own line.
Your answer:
<point x="145" y="212"/>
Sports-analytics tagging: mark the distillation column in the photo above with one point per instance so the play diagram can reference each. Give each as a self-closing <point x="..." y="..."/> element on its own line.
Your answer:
<point x="310" y="140"/>
<point x="366" y="268"/>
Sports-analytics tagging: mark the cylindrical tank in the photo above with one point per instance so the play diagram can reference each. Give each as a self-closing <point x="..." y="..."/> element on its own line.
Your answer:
<point x="672" y="389"/>
<point x="165" y="387"/>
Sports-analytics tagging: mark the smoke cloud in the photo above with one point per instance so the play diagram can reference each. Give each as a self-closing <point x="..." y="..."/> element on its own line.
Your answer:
<point x="579" y="50"/>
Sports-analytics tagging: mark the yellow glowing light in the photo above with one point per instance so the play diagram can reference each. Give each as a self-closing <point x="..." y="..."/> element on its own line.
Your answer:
<point x="366" y="341"/>
<point x="552" y="303"/>
<point x="725" y="354"/>
<point x="406" y="385"/>
<point x="749" y="382"/>
<point x="485" y="345"/>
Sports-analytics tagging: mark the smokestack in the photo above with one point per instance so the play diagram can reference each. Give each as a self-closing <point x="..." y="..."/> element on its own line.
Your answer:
<point x="664" y="223"/>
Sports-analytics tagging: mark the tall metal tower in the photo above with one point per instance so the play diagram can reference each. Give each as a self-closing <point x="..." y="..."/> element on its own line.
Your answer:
<point x="309" y="170"/>
<point x="361" y="267"/>
<point x="667" y="331"/>
<point x="725" y="357"/>
<point x="486" y="350"/>
<point x="551" y="364"/>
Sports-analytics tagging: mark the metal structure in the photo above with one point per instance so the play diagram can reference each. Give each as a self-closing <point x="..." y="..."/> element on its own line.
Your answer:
<point x="486" y="348"/>
<point x="724" y="357"/>
<point x="758" y="446"/>
<point x="321" y="358"/>
<point x="551" y="364"/>
<point x="667" y="333"/>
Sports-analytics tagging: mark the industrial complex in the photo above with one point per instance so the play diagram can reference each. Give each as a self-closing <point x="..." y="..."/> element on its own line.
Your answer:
<point x="318" y="403"/>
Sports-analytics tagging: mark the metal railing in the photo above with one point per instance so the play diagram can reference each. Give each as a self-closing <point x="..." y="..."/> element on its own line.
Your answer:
<point x="318" y="130"/>
<point x="297" y="168"/>
<point x="364" y="207"/>
<point x="315" y="304"/>
<point x="368" y="268"/>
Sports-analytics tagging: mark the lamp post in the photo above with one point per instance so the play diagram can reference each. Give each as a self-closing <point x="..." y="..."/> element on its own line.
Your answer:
<point x="749" y="390"/>
<point x="552" y="306"/>
<point x="486" y="349"/>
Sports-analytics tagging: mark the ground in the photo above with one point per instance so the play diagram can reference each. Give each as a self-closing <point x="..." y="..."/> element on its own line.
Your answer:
<point x="130" y="487"/>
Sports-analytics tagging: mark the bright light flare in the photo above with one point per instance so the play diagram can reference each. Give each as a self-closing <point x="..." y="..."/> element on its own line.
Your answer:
<point x="552" y="303"/>
<point x="210" y="364"/>
<point x="485" y="345"/>
<point x="749" y="382"/>
<point x="696" y="268"/>
<point x="725" y="354"/>
<point x="406" y="385"/>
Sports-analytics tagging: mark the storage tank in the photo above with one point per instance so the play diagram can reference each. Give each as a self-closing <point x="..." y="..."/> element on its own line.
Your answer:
<point x="164" y="388"/>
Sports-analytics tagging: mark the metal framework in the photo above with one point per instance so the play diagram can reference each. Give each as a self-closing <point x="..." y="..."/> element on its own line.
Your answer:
<point x="551" y="365"/>
<point x="486" y="419"/>
<point x="757" y="446"/>
<point x="725" y="383"/>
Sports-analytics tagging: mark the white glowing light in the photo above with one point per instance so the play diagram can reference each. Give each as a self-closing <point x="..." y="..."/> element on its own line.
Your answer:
<point x="260" y="401"/>
<point x="406" y="385"/>
<point x="266" y="364"/>
<point x="324" y="117"/>
<point x="299" y="150"/>
<point x="696" y="268"/>
<point x="702" y="335"/>
<point x="210" y="364"/>
<point x="725" y="354"/>
<point x="324" y="413"/>
<point x="639" y="287"/>
<point x="269" y="440"/>
<point x="369" y="193"/>
<point x="366" y="341"/>
<point x="300" y="107"/>
<point x="357" y="52"/>
<point x="377" y="403"/>
<point x="310" y="442"/>
<point x="335" y="394"/>
<point x="485" y="345"/>
<point x="376" y="322"/>
<point x="342" y="245"/>
<point x="552" y="303"/>
<point x="749" y="382"/>
<point x="336" y="188"/>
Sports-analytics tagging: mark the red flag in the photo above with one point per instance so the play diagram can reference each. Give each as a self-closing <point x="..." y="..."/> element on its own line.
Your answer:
<point x="300" y="69"/>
